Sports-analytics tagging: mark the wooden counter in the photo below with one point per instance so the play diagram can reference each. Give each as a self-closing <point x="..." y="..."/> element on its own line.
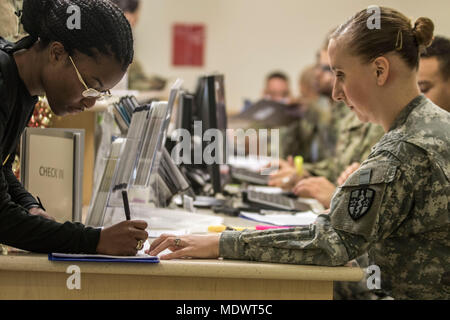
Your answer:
<point x="32" y="276"/>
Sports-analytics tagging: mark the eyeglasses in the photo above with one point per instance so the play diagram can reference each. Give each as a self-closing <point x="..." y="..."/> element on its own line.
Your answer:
<point x="90" y="92"/>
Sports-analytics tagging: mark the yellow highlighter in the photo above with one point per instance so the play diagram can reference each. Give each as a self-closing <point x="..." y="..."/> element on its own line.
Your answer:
<point x="298" y="161"/>
<point x="222" y="228"/>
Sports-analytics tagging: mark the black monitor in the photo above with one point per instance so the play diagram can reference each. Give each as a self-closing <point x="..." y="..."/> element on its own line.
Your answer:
<point x="221" y="112"/>
<point x="198" y="98"/>
<point x="185" y="112"/>
<point x="184" y="118"/>
<point x="213" y="115"/>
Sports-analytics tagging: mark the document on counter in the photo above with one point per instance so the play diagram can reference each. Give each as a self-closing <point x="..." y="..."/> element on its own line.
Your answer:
<point x="288" y="219"/>
<point x="140" y="258"/>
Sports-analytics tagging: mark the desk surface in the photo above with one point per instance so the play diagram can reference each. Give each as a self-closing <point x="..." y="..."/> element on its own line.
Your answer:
<point x="199" y="267"/>
<point x="33" y="276"/>
<point x="186" y="268"/>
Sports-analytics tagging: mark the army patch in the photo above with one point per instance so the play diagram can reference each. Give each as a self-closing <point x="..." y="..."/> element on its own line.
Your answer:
<point x="360" y="202"/>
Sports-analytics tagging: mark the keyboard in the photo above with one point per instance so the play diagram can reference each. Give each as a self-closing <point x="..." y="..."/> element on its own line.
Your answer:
<point x="249" y="176"/>
<point x="274" y="201"/>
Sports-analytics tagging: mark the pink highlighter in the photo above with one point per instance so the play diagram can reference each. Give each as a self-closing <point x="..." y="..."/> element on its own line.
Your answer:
<point x="271" y="227"/>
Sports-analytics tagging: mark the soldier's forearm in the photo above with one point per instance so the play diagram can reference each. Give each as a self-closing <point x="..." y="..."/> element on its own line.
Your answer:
<point x="317" y="244"/>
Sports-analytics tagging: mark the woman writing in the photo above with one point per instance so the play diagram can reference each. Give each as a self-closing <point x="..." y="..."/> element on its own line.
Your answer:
<point x="73" y="67"/>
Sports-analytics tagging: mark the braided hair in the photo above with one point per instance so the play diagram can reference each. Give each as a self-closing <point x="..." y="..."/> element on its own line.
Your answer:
<point x="103" y="28"/>
<point x="127" y="5"/>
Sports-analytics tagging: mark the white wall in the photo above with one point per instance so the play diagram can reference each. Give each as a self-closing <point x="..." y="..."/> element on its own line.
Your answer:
<point x="246" y="39"/>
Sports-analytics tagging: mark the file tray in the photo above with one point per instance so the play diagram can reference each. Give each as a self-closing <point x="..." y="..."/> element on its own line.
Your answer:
<point x="139" y="164"/>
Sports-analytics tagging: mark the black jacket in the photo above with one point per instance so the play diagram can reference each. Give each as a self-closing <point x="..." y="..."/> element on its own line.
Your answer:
<point x="18" y="228"/>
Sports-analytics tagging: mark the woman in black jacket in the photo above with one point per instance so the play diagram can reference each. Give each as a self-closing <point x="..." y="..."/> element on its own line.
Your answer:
<point x="75" y="52"/>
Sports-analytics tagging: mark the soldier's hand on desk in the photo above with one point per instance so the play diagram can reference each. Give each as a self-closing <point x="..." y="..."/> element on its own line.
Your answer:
<point x="318" y="188"/>
<point x="122" y="239"/>
<point x="283" y="179"/>
<point x="347" y="172"/>
<point x="281" y="163"/>
<point x="190" y="246"/>
<point x="40" y="212"/>
<point x="286" y="176"/>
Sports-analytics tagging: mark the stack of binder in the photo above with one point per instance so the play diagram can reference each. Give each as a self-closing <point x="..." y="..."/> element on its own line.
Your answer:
<point x="123" y="111"/>
<point x="152" y="142"/>
<point x="171" y="180"/>
<point x="144" y="167"/>
<point x="99" y="200"/>
<point x="133" y="145"/>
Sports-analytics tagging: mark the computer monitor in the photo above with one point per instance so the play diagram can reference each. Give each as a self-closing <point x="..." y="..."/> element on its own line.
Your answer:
<point x="213" y="116"/>
<point x="185" y="111"/>
<point x="221" y="112"/>
<point x="183" y="119"/>
<point x="198" y="98"/>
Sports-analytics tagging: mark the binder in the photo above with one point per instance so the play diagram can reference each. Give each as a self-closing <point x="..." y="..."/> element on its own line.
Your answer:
<point x="102" y="258"/>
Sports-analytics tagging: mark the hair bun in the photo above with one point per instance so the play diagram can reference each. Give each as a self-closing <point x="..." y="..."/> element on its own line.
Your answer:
<point x="423" y="31"/>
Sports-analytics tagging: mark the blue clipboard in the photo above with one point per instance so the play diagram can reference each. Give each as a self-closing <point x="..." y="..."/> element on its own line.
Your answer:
<point x="99" y="258"/>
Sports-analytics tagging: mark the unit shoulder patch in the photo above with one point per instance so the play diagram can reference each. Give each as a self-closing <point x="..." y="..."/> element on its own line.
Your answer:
<point x="360" y="202"/>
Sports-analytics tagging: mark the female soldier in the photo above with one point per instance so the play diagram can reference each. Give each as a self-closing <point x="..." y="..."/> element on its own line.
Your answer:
<point x="396" y="205"/>
<point x="73" y="66"/>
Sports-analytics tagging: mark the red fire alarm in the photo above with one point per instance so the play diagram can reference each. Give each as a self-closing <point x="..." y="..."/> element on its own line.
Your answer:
<point x="188" y="45"/>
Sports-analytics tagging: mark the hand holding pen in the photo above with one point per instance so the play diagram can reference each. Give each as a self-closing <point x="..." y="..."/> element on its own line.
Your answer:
<point x="124" y="238"/>
<point x="40" y="211"/>
<point x="126" y="208"/>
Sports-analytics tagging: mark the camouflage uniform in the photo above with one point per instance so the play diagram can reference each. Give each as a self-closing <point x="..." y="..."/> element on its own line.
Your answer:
<point x="310" y="136"/>
<point x="138" y="80"/>
<point x="355" y="141"/>
<point x="395" y="207"/>
<point x="339" y="111"/>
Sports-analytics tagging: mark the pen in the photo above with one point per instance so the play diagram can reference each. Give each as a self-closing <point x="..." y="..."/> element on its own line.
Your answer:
<point x="126" y="206"/>
<point x="40" y="203"/>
